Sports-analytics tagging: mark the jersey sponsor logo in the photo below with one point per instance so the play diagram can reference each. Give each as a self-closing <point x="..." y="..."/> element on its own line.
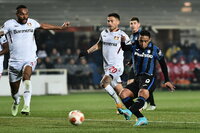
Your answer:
<point x="116" y="37"/>
<point x="143" y="55"/>
<point x="23" y="31"/>
<point x="109" y="44"/>
<point x="29" y="24"/>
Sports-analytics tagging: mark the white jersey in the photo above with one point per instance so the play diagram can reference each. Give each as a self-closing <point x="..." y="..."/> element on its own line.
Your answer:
<point x="21" y="39"/>
<point x="111" y="48"/>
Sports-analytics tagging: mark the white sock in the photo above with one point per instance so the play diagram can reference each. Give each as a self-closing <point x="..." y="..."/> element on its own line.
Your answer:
<point x="113" y="94"/>
<point x="16" y="98"/>
<point x="27" y="92"/>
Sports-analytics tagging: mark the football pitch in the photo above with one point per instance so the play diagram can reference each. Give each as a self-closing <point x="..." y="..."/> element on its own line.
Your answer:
<point x="177" y="112"/>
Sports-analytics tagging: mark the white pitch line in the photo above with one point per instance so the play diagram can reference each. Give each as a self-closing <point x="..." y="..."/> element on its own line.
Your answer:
<point x="102" y="120"/>
<point x="174" y="122"/>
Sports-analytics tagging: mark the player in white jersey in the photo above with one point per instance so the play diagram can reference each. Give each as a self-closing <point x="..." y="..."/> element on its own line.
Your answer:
<point x="22" y="47"/>
<point x="3" y="50"/>
<point x="113" y="57"/>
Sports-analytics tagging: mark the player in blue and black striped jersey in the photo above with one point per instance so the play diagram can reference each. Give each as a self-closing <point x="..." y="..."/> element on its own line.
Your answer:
<point x="144" y="56"/>
<point x="136" y="29"/>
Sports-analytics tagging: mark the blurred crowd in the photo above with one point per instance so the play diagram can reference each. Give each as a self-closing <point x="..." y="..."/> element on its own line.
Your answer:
<point x="183" y="61"/>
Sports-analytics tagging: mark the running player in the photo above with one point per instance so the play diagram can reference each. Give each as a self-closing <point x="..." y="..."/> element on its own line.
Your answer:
<point x="3" y="50"/>
<point x="22" y="47"/>
<point x="110" y="43"/>
<point x="144" y="56"/>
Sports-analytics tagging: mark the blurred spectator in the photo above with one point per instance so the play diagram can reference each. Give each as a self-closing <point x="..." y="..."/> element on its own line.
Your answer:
<point x="85" y="73"/>
<point x="68" y="55"/>
<point x="60" y="63"/>
<point x="54" y="54"/>
<point x="72" y="70"/>
<point x="42" y="52"/>
<point x="40" y="64"/>
<point x="173" y="50"/>
<point x="48" y="63"/>
<point x="195" y="71"/>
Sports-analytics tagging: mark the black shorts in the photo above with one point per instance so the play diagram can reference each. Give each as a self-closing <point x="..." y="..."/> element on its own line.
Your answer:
<point x="142" y="82"/>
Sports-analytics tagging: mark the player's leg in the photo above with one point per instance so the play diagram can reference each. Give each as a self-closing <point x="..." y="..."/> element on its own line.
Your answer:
<point x="15" y="95"/>
<point x="147" y="84"/>
<point x="27" y="71"/>
<point x="105" y="83"/>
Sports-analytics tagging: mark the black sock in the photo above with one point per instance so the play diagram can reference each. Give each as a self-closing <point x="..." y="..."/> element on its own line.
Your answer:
<point x="127" y="102"/>
<point x="138" y="114"/>
<point x="138" y="104"/>
<point x="151" y="100"/>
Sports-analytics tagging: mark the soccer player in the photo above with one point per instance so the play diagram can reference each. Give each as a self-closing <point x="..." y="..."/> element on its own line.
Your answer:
<point x="136" y="29"/>
<point x="144" y="56"/>
<point x="110" y="43"/>
<point x="3" y="50"/>
<point x="22" y="47"/>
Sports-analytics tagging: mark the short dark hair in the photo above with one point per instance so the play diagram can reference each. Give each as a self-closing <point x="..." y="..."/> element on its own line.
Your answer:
<point x="114" y="15"/>
<point x="145" y="33"/>
<point x="20" y="6"/>
<point x="135" y="19"/>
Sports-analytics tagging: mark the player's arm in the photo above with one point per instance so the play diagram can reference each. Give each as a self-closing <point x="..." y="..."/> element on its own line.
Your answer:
<point x="124" y="46"/>
<point x="1" y="33"/>
<point x="54" y="27"/>
<point x="164" y="69"/>
<point x="92" y="49"/>
<point x="5" y="49"/>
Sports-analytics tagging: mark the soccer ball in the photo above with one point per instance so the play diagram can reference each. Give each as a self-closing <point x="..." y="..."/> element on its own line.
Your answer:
<point x="76" y="117"/>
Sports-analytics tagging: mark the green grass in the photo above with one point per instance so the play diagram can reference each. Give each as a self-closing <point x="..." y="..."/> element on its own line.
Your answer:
<point x="177" y="112"/>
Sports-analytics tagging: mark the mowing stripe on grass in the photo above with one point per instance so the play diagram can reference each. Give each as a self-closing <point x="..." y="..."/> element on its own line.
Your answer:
<point x="101" y="120"/>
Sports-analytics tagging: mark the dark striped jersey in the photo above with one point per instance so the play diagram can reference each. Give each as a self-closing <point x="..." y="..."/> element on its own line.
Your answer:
<point x="135" y="36"/>
<point x="144" y="60"/>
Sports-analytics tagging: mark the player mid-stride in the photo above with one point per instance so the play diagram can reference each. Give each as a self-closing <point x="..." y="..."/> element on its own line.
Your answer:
<point x="22" y="47"/>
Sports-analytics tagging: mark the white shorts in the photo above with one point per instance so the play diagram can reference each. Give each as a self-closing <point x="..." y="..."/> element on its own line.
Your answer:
<point x="115" y="71"/>
<point x="16" y="68"/>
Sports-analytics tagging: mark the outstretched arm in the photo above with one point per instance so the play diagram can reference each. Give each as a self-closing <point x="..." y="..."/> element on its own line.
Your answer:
<point x="54" y="27"/>
<point x="1" y="33"/>
<point x="92" y="49"/>
<point x="167" y="83"/>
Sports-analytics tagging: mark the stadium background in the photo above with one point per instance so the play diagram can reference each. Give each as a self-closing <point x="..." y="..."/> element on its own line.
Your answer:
<point x="175" y="27"/>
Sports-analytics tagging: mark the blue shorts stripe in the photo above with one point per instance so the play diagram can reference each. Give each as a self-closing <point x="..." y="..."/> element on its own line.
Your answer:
<point x="151" y="84"/>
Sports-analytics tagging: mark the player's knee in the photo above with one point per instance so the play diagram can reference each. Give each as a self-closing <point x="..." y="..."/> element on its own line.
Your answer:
<point x="105" y="81"/>
<point x="123" y="94"/>
<point x="144" y="93"/>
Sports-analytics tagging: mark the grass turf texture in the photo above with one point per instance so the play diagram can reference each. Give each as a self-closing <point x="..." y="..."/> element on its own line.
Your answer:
<point x="177" y="112"/>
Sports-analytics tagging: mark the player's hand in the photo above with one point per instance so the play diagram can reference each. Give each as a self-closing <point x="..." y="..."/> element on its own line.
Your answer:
<point x="84" y="53"/>
<point x="170" y="86"/>
<point x="123" y="38"/>
<point x="65" y="25"/>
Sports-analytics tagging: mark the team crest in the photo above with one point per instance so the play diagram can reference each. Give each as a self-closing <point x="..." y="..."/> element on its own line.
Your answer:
<point x="29" y="24"/>
<point x="116" y="37"/>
